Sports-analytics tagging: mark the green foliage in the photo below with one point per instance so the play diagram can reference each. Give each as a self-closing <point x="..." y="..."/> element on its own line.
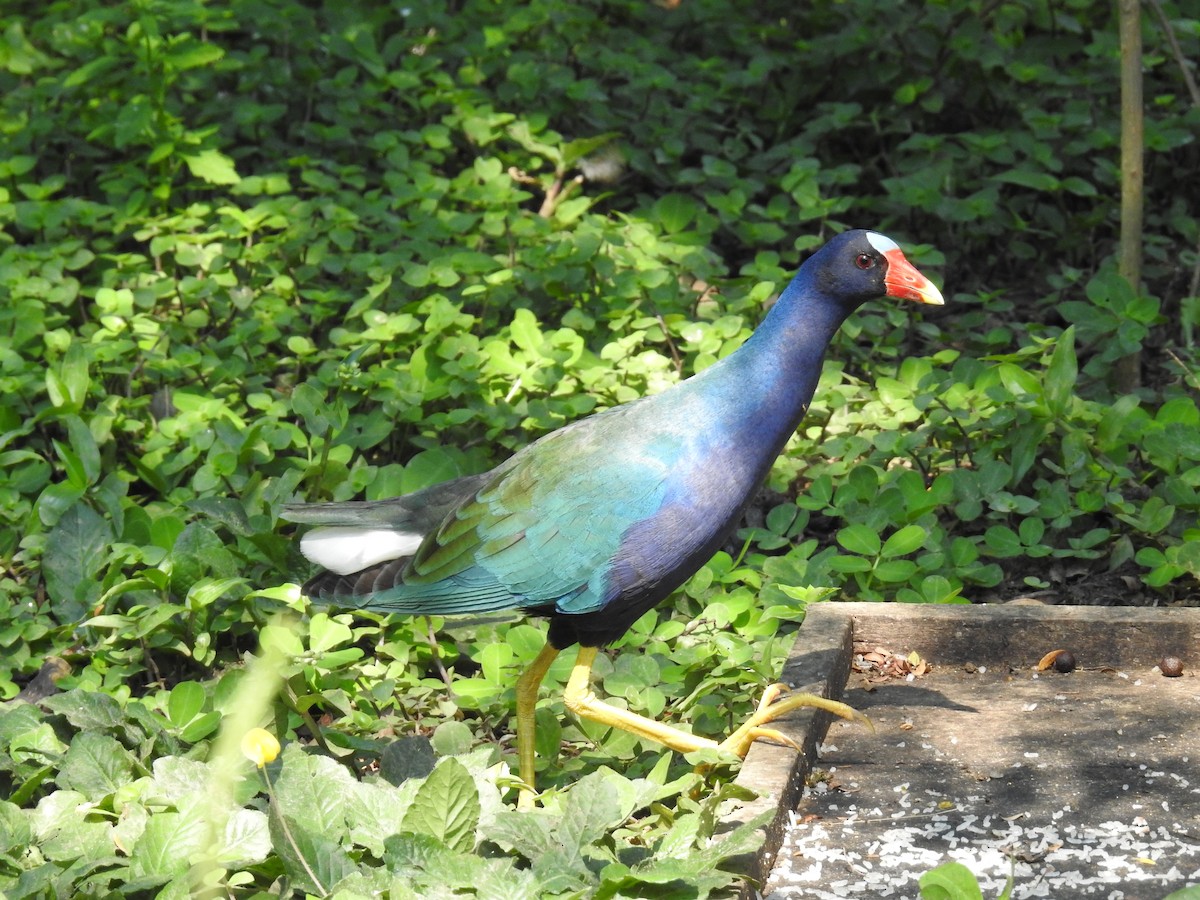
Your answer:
<point x="259" y="251"/>
<point x="954" y="881"/>
<point x="110" y="776"/>
<point x="1008" y="462"/>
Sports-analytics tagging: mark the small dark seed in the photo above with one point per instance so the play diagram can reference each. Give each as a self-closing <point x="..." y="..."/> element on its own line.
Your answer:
<point x="1171" y="666"/>
<point x="1064" y="662"/>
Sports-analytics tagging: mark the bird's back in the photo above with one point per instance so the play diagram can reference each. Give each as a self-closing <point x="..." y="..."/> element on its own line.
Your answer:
<point x="607" y="515"/>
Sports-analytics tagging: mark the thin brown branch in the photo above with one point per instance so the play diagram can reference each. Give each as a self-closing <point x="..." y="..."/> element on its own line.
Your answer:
<point x="1176" y="51"/>
<point x="1194" y="92"/>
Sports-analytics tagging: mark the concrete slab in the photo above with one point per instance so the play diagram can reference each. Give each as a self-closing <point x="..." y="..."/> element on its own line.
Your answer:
<point x="1084" y="784"/>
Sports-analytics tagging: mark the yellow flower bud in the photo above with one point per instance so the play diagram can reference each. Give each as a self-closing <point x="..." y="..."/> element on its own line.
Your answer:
<point x="259" y="746"/>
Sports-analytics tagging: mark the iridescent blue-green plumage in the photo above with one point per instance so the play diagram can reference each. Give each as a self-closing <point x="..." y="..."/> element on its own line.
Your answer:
<point x="595" y="523"/>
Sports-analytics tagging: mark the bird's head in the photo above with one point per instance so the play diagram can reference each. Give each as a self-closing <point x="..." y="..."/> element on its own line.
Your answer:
<point x="863" y="265"/>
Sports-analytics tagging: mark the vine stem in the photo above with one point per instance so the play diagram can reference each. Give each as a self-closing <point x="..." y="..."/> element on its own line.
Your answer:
<point x="287" y="833"/>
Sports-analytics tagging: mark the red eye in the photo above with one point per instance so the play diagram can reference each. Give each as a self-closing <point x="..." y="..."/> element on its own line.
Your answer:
<point x="864" y="261"/>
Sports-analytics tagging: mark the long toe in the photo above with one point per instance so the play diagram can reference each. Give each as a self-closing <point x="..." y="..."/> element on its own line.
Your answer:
<point x="739" y="742"/>
<point x="773" y="735"/>
<point x="772" y="693"/>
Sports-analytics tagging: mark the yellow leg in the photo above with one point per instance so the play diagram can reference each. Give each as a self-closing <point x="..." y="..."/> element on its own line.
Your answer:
<point x="527" y="695"/>
<point x="581" y="701"/>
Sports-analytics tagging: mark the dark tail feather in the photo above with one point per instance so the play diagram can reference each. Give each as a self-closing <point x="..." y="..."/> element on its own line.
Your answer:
<point x="356" y="588"/>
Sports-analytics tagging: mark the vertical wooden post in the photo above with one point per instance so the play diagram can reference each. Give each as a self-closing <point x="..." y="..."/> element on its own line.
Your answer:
<point x="1126" y="375"/>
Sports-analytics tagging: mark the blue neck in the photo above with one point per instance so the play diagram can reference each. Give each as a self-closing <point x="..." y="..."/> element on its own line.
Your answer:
<point x="771" y="379"/>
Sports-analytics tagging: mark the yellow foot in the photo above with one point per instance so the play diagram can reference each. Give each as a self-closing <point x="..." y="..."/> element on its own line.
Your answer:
<point x="770" y="708"/>
<point x="771" y="694"/>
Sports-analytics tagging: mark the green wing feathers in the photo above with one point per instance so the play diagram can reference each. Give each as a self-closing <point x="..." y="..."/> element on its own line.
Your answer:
<point x="542" y="527"/>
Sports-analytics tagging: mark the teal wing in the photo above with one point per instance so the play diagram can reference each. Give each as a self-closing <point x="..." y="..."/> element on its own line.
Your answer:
<point x="544" y="529"/>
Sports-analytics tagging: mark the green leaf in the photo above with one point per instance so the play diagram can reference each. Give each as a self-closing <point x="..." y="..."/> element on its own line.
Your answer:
<point x="313" y="861"/>
<point x="200" y="727"/>
<point x="675" y="211"/>
<point x="193" y="54"/>
<point x="895" y="570"/>
<point x="16" y="833"/>
<point x="427" y="468"/>
<point x="494" y="659"/>
<point x="325" y="633"/>
<point x="212" y="166"/>
<point x="67" y="384"/>
<point x="525" y="331"/>
<point x="282" y="640"/>
<point x="858" y="538"/>
<point x="309" y="403"/>
<point x="1061" y="374"/>
<point x="185" y="702"/>
<point x="452" y="739"/>
<point x="375" y="811"/>
<point x="1180" y="410"/>
<point x="595" y="804"/>
<point x="548" y="736"/>
<point x="246" y="840"/>
<point x="169" y="842"/>
<point x="1038" y="181"/>
<point x="66" y="835"/>
<point x="1079" y="187"/>
<point x="1002" y="541"/>
<point x="446" y="806"/>
<point x="1031" y="531"/>
<point x="950" y="881"/>
<point x="208" y="591"/>
<point x="177" y="777"/>
<point x="313" y="790"/>
<point x="1019" y="381"/>
<point x="96" y="765"/>
<point x="433" y="869"/>
<point x="697" y="874"/>
<point x="849" y="564"/>
<point x="198" y="552"/>
<point x="907" y="540"/>
<point x="84" y="446"/>
<point x="75" y="552"/>
<point x="88" y="710"/>
<point x="226" y="510"/>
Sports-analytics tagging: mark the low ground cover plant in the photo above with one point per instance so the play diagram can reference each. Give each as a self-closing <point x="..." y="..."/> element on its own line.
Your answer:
<point x="256" y="251"/>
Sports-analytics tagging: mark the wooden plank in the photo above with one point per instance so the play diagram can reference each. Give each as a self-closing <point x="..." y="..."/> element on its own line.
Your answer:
<point x="818" y="664"/>
<point x="1019" y="635"/>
